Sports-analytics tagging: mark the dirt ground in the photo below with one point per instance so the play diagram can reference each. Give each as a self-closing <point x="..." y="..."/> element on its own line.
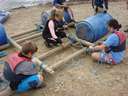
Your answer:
<point x="81" y="76"/>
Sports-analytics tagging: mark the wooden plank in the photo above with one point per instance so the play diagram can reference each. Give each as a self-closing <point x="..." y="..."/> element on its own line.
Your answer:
<point x="65" y="60"/>
<point x="28" y="38"/>
<point x="26" y="32"/>
<point x="54" y="51"/>
<point x="60" y="63"/>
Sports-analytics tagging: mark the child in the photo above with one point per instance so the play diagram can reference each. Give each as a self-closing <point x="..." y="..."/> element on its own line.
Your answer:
<point x="100" y="5"/>
<point x="20" y="71"/>
<point x="68" y="13"/>
<point x="113" y="49"/>
<point x="52" y="32"/>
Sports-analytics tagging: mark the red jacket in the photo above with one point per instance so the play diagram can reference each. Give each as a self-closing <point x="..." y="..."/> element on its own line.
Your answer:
<point x="122" y="44"/>
<point x="14" y="60"/>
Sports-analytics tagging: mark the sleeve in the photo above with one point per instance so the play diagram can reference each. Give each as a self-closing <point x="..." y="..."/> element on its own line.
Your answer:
<point x="26" y="68"/>
<point x="70" y="12"/>
<point x="51" y="28"/>
<point x="111" y="40"/>
<point x="55" y="2"/>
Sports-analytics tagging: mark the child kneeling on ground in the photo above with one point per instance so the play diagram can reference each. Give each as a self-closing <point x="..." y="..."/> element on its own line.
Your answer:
<point x="112" y="50"/>
<point x="54" y="29"/>
<point x="20" y="71"/>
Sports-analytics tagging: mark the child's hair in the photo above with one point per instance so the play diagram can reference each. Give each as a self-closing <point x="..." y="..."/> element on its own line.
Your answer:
<point x="56" y="13"/>
<point x="114" y="24"/>
<point x="29" y="47"/>
<point x="52" y="16"/>
<point x="59" y="13"/>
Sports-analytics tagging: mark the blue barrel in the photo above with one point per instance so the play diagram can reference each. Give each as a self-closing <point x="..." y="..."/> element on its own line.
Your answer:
<point x="3" y="37"/>
<point x="93" y="28"/>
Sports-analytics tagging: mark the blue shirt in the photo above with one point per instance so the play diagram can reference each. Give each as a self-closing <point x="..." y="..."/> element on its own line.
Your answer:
<point x="60" y="2"/>
<point x="113" y="40"/>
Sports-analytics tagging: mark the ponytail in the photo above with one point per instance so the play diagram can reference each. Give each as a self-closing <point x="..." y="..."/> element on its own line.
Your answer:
<point x="114" y="24"/>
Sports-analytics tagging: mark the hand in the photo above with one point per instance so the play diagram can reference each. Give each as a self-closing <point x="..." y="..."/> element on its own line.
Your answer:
<point x="89" y="50"/>
<point x="99" y="43"/>
<point x="63" y="45"/>
<point x="65" y="26"/>
<point x="42" y="66"/>
<point x="60" y="29"/>
<point x="91" y="47"/>
<point x="53" y="39"/>
<point x="72" y="39"/>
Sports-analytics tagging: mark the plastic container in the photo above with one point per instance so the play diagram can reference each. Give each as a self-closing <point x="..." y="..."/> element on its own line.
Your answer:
<point x="93" y="28"/>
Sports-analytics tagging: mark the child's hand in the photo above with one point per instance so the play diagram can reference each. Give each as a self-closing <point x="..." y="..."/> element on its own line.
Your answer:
<point x="63" y="45"/>
<point x="65" y="26"/>
<point x="53" y="39"/>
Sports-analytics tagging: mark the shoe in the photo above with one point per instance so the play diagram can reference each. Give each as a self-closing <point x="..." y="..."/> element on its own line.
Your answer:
<point x="126" y="30"/>
<point x="3" y="53"/>
<point x="105" y="11"/>
<point x="43" y="85"/>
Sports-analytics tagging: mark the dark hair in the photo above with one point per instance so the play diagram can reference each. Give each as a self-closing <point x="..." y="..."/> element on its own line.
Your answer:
<point x="29" y="47"/>
<point x="114" y="23"/>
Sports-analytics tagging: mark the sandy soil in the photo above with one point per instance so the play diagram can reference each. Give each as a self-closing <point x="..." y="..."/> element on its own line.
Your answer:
<point x="81" y="76"/>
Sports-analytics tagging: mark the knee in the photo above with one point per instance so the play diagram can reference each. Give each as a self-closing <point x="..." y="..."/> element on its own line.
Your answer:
<point x="41" y="78"/>
<point x="95" y="56"/>
<point x="41" y="81"/>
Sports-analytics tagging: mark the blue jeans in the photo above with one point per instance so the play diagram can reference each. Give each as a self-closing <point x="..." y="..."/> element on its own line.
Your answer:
<point x="29" y="83"/>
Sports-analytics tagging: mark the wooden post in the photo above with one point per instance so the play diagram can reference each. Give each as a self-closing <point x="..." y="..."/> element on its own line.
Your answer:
<point x="85" y="42"/>
<point x="27" y="38"/>
<point x="23" y="33"/>
<point x="56" y="65"/>
<point x="53" y="51"/>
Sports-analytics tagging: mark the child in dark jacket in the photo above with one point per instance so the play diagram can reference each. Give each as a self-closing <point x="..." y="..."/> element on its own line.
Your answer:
<point x="54" y="29"/>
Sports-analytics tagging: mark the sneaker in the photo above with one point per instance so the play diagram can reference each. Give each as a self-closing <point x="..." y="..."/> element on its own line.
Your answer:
<point x="43" y="85"/>
<point x="105" y="11"/>
<point x="3" y="53"/>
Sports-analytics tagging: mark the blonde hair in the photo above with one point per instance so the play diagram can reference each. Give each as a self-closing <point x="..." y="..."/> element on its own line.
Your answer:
<point x="56" y="13"/>
<point x="52" y="16"/>
<point x="59" y="13"/>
